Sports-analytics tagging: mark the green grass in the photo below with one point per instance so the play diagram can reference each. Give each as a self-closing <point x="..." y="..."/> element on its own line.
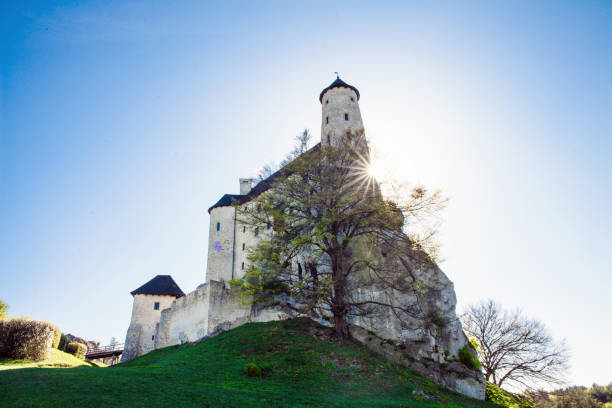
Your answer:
<point x="504" y="398"/>
<point x="304" y="367"/>
<point x="56" y="358"/>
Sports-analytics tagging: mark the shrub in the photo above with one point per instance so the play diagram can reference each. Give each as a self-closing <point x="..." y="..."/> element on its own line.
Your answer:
<point x="25" y="339"/>
<point x="57" y="336"/>
<point x="504" y="398"/>
<point x="473" y="343"/>
<point x="252" y="370"/>
<point x="437" y="319"/>
<point x="468" y="359"/>
<point x="76" y="349"/>
<point x="64" y="340"/>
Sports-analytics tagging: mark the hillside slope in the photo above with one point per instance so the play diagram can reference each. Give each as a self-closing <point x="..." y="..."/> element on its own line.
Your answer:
<point x="55" y="359"/>
<point x="303" y="367"/>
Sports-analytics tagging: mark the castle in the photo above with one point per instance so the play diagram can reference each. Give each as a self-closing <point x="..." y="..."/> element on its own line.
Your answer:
<point x="163" y="315"/>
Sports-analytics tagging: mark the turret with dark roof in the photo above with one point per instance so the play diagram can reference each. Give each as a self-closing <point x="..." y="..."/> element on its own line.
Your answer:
<point x="160" y="285"/>
<point x="338" y="83"/>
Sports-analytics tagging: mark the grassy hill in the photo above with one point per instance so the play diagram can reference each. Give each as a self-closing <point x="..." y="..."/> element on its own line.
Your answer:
<point x="303" y="366"/>
<point x="55" y="359"/>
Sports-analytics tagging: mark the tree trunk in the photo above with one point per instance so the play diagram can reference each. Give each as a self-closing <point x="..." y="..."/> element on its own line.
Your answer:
<point x="339" y="306"/>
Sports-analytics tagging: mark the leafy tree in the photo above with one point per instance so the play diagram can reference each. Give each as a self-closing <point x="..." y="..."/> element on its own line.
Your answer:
<point x="326" y="231"/>
<point x="514" y="349"/>
<point x="3" y="310"/>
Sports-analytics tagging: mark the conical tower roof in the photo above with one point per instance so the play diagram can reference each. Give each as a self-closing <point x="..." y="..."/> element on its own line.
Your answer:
<point x="338" y="83"/>
<point x="160" y="285"/>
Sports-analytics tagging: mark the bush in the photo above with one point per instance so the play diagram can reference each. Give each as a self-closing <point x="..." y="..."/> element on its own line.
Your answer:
<point x="504" y="398"/>
<point x="468" y="359"/>
<point x="76" y="349"/>
<point x="437" y="319"/>
<point x="25" y="339"/>
<point x="57" y="336"/>
<point x="64" y="340"/>
<point x="252" y="370"/>
<point x="474" y="343"/>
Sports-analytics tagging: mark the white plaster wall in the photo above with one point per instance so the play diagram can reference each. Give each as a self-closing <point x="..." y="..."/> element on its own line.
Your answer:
<point x="335" y="103"/>
<point x="219" y="266"/>
<point x="186" y="320"/>
<point x="245" y="238"/>
<point x="140" y="337"/>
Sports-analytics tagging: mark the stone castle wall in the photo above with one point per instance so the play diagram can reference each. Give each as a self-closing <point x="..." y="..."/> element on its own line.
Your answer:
<point x="140" y="338"/>
<point x="335" y="104"/>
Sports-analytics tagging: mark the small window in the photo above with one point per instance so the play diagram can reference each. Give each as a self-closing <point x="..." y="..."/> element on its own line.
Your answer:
<point x="243" y="246"/>
<point x="328" y="142"/>
<point x="156" y="306"/>
<point x="268" y="226"/>
<point x="352" y="100"/>
<point x="243" y="229"/>
<point x="243" y="266"/>
<point x="153" y="337"/>
<point x="327" y="120"/>
<point x="218" y="226"/>
<point x="327" y="102"/>
<point x="346" y="116"/>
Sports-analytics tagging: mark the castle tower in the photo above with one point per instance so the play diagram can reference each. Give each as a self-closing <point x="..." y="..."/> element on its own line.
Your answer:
<point x="340" y="111"/>
<point x="149" y="301"/>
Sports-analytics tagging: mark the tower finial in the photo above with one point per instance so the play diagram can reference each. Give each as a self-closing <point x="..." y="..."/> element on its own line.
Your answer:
<point x="337" y="75"/>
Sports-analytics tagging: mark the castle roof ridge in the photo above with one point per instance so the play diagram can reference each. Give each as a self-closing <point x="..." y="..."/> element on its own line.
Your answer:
<point x="160" y="285"/>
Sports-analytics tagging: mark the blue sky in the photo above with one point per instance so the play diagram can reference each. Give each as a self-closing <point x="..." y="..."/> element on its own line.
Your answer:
<point x="122" y="122"/>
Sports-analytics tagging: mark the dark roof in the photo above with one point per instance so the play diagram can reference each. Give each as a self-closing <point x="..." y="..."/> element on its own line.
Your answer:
<point x="264" y="185"/>
<point x="160" y="285"/>
<point x="338" y="83"/>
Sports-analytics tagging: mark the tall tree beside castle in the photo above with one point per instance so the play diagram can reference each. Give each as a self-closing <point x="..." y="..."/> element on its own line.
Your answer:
<point x="325" y="229"/>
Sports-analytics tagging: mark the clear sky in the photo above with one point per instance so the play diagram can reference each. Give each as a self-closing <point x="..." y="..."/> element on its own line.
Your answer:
<point x="122" y="122"/>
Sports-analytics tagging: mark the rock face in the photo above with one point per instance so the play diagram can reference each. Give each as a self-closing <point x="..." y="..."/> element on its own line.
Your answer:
<point x="423" y="332"/>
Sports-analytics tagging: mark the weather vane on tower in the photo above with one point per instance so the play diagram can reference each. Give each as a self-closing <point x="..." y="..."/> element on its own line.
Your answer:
<point x="337" y="75"/>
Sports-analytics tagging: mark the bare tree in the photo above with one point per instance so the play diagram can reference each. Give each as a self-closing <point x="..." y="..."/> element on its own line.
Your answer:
<point x="327" y="231"/>
<point x="514" y="349"/>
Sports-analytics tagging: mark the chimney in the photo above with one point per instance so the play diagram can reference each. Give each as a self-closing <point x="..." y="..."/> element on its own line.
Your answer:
<point x="245" y="185"/>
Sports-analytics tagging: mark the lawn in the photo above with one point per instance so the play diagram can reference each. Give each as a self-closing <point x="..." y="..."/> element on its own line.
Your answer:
<point x="303" y="367"/>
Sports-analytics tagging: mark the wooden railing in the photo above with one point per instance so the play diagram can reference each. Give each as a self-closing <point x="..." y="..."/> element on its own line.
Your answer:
<point x="110" y="347"/>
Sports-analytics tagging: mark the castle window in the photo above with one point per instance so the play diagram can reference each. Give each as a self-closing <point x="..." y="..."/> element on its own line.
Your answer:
<point x="352" y="100"/>
<point x="268" y="226"/>
<point x="327" y="120"/>
<point x="218" y="226"/>
<point x="243" y="229"/>
<point x="153" y="337"/>
<point x="243" y="246"/>
<point x="346" y="116"/>
<point x="327" y="102"/>
<point x="328" y="139"/>
<point x="156" y="306"/>
<point x="242" y="266"/>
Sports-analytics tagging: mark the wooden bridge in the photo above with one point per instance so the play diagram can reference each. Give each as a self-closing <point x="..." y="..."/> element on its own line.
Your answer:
<point x="112" y="352"/>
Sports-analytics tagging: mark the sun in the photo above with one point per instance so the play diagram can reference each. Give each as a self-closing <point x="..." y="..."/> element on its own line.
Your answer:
<point x="376" y="170"/>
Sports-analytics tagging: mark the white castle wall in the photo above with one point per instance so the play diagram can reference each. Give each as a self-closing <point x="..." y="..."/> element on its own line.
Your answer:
<point x="335" y="104"/>
<point x="221" y="244"/>
<point x="140" y="338"/>
<point x="211" y="307"/>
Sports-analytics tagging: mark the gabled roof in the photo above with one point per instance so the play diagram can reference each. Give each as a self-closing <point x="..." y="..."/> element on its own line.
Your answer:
<point x="262" y="186"/>
<point x="160" y="285"/>
<point x="338" y="83"/>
